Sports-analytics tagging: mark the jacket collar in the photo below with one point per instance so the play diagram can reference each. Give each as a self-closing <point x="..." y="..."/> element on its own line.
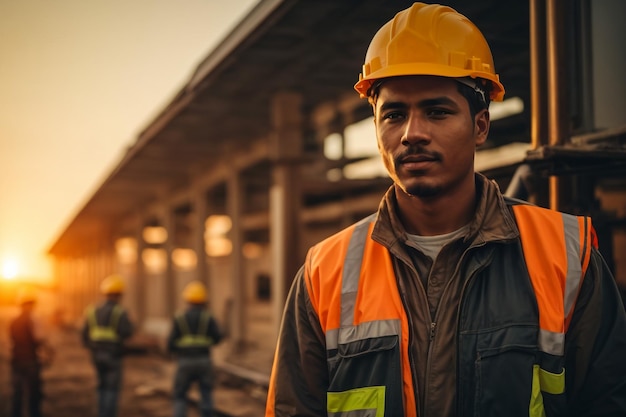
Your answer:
<point x="493" y="220"/>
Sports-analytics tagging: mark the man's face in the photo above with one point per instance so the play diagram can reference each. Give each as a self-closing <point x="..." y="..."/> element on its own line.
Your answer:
<point x="426" y="136"/>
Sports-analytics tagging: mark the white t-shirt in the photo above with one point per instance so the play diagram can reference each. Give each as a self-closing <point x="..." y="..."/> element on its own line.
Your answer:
<point x="431" y="245"/>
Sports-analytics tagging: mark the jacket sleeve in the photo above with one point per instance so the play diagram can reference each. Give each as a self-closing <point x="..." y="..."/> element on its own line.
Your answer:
<point x="595" y="368"/>
<point x="214" y="331"/>
<point x="84" y="334"/>
<point x="299" y="377"/>
<point x="173" y="337"/>
<point x="125" y="327"/>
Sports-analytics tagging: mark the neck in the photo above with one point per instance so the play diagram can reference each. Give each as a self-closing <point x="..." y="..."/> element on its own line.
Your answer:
<point x="437" y="215"/>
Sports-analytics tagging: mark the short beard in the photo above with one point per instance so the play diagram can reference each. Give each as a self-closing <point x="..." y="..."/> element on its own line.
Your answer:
<point x="423" y="191"/>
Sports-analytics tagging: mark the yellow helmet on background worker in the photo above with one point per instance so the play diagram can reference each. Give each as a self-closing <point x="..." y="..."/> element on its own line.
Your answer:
<point x="195" y="293"/>
<point x="429" y="39"/>
<point x="26" y="295"/>
<point x="113" y="284"/>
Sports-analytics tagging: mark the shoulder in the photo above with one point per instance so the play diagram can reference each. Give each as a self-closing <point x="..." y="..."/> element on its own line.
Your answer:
<point x="337" y="243"/>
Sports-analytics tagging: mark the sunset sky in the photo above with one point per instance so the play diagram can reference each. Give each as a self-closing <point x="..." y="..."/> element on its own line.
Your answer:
<point x="78" y="81"/>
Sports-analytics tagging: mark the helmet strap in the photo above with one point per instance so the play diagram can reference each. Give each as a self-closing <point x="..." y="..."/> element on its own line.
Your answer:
<point x="474" y="84"/>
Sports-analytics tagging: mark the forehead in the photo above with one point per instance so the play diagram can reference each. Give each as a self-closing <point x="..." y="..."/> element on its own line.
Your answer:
<point x="414" y="87"/>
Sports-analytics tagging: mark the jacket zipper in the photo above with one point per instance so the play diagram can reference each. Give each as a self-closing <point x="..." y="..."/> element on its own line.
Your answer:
<point x="410" y="323"/>
<point x="433" y="325"/>
<point x="467" y="283"/>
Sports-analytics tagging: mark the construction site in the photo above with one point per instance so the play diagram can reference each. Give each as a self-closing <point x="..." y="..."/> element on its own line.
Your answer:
<point x="260" y="155"/>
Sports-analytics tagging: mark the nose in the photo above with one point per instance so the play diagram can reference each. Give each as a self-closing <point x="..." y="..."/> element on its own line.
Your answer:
<point x="415" y="130"/>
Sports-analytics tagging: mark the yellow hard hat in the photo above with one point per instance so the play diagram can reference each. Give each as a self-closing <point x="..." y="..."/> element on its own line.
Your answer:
<point x="113" y="284"/>
<point x="429" y="39"/>
<point x="26" y="295"/>
<point x="195" y="292"/>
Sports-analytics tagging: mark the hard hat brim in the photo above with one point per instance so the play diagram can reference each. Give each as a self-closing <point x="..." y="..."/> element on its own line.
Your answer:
<point x="399" y="70"/>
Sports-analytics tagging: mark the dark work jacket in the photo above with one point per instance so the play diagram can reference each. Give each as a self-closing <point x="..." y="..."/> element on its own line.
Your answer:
<point x="25" y="344"/>
<point x="474" y="356"/>
<point x="192" y="317"/>
<point x="123" y="329"/>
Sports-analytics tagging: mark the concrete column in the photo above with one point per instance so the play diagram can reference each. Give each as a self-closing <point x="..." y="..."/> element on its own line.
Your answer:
<point x="201" y="212"/>
<point x="235" y="209"/>
<point x="286" y="148"/>
<point x="140" y="294"/>
<point x="168" y="221"/>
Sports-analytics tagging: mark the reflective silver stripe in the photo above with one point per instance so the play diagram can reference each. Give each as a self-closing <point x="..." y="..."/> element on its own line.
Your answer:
<point x="352" y="270"/>
<point x="349" y="288"/>
<point x="551" y="342"/>
<point x="332" y="339"/>
<point x="574" y="261"/>
<point x="369" y="330"/>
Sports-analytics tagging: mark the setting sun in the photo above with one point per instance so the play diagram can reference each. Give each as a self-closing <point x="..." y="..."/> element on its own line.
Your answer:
<point x="9" y="269"/>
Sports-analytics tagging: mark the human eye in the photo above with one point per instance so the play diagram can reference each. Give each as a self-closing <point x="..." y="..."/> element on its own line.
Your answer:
<point x="438" y="112"/>
<point x="393" y="115"/>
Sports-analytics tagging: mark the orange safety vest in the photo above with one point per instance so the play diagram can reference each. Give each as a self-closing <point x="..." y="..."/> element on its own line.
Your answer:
<point x="352" y="286"/>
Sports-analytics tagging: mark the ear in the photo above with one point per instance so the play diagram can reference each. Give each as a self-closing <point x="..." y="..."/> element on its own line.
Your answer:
<point x="481" y="127"/>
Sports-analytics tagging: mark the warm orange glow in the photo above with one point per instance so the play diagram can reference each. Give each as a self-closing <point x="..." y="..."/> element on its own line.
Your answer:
<point x="218" y="225"/>
<point x="252" y="250"/>
<point x="10" y="269"/>
<point x="155" y="260"/>
<point x="126" y="249"/>
<point x="184" y="258"/>
<point x="155" y="234"/>
<point x="219" y="246"/>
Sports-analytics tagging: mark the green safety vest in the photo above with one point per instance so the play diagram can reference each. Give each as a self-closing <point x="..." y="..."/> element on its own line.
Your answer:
<point x="104" y="333"/>
<point x="200" y="338"/>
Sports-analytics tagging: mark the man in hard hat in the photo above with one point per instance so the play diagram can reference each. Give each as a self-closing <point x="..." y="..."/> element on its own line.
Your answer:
<point x="28" y="341"/>
<point x="193" y="334"/>
<point x="104" y="332"/>
<point x="451" y="300"/>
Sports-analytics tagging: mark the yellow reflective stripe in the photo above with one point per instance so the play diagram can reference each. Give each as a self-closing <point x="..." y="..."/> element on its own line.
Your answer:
<point x="552" y="383"/>
<point x="544" y="381"/>
<point x="104" y="333"/>
<point x="194" y="340"/>
<point x="357" y="399"/>
<point x="535" y="408"/>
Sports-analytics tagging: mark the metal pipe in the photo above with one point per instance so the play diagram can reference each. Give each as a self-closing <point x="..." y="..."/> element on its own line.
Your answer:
<point x="538" y="92"/>
<point x="558" y="111"/>
<point x="538" y="82"/>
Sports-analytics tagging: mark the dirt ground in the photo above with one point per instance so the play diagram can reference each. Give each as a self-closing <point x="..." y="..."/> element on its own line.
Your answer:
<point x="70" y="385"/>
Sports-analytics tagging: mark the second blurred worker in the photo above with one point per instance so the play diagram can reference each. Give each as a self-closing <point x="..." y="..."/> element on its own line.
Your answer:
<point x="193" y="333"/>
<point x="106" y="328"/>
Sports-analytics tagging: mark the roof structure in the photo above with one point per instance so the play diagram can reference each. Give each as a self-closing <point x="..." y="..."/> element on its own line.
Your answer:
<point x="315" y="48"/>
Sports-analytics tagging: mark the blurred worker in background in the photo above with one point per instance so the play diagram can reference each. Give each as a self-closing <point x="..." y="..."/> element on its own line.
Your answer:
<point x="193" y="333"/>
<point x="106" y="328"/>
<point x="452" y="300"/>
<point x="30" y="352"/>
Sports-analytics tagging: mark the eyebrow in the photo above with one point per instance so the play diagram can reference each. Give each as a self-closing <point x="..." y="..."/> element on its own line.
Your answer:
<point x="437" y="101"/>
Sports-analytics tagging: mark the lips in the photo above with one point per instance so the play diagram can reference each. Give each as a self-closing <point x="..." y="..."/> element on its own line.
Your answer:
<point x="417" y="158"/>
<point x="417" y="162"/>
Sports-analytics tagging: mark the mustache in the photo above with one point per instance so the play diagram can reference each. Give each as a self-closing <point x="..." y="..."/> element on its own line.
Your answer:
<point x="416" y="152"/>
